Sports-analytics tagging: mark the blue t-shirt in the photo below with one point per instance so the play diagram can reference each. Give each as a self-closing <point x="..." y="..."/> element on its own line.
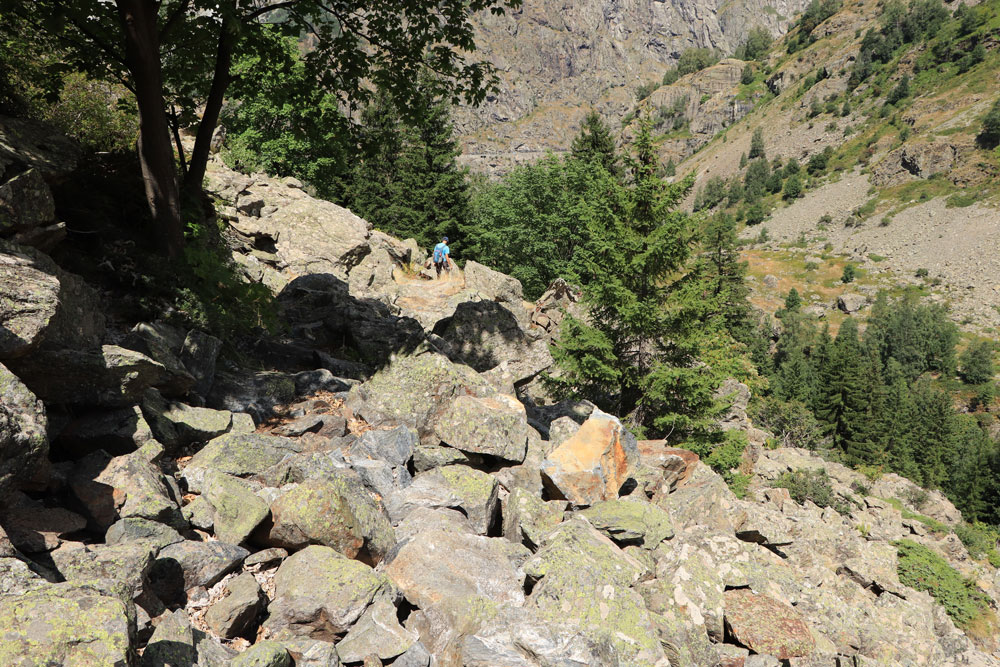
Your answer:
<point x="441" y="251"/>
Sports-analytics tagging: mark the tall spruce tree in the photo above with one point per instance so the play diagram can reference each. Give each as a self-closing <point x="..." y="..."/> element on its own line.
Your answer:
<point x="407" y="181"/>
<point x="594" y="142"/>
<point x="637" y="354"/>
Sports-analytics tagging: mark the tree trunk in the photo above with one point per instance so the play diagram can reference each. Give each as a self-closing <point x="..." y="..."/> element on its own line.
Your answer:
<point x="156" y="155"/>
<point x="221" y="79"/>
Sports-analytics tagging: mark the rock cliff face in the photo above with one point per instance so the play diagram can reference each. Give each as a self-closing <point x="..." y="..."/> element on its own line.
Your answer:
<point x="557" y="60"/>
<point x="411" y="510"/>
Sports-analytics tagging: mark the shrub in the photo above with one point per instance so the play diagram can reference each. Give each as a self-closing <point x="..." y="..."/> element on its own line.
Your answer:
<point x="812" y="485"/>
<point x="793" y="187"/>
<point x="696" y="59"/>
<point x="976" y="363"/>
<point x="989" y="135"/>
<point x="922" y="273"/>
<point x="756" y="214"/>
<point x="746" y="78"/>
<point x="849" y="274"/>
<point x="980" y="539"/>
<point x="923" y="570"/>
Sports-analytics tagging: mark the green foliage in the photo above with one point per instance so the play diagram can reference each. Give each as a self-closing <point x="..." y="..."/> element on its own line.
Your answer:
<point x="849" y="274"/>
<point x="670" y="76"/>
<point x="284" y="124"/>
<point x="756" y="46"/>
<point x="793" y="301"/>
<point x="209" y="292"/>
<point x="757" y="214"/>
<point x="696" y="59"/>
<point x="671" y="169"/>
<point x="645" y="90"/>
<point x="812" y="485"/>
<point x="725" y="457"/>
<point x="976" y="363"/>
<point x="746" y="77"/>
<point x="900" y="92"/>
<point x="793" y="187"/>
<point x="818" y="162"/>
<point x="637" y="354"/>
<point x="594" y="142"/>
<point x="981" y="541"/>
<point x="792" y="422"/>
<point x="756" y="145"/>
<point x="406" y="180"/>
<point x="989" y="134"/>
<point x="922" y="569"/>
<point x="712" y="194"/>
<point x="537" y="222"/>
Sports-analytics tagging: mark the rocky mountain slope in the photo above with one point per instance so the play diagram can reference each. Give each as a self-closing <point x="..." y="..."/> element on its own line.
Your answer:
<point x="167" y="505"/>
<point x="557" y="60"/>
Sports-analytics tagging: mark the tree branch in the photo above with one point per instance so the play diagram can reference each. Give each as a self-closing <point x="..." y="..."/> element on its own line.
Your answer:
<point x="171" y="22"/>
<point x="103" y="46"/>
<point x="270" y="8"/>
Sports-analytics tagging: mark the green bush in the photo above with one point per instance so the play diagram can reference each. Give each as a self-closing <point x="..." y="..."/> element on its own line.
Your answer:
<point x="922" y="569"/>
<point x="976" y="363"/>
<point x="989" y="135"/>
<point x="849" y="274"/>
<point x="981" y="540"/>
<point x="812" y="485"/>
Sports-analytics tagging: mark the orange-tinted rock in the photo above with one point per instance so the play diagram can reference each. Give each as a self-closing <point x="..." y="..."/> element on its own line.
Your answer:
<point x="765" y="625"/>
<point x="593" y="464"/>
<point x="669" y="466"/>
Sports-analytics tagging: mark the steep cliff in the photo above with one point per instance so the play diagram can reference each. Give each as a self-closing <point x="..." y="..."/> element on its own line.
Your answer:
<point x="557" y="60"/>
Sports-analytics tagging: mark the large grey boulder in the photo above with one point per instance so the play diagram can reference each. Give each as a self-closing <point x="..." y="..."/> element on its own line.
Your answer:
<point x="117" y="431"/>
<point x="110" y="377"/>
<point x="237" y="454"/>
<point x="473" y="492"/>
<point x="413" y="389"/>
<point x="235" y="613"/>
<point x="237" y="510"/>
<point x="494" y="285"/>
<point x="527" y="519"/>
<point x="185" y="565"/>
<point x="24" y="443"/>
<point x="127" y="563"/>
<point x="68" y="624"/>
<point x="44" y="305"/>
<point x="320" y="593"/>
<point x="489" y="337"/>
<point x="584" y="579"/>
<point x="377" y="632"/>
<point x="175" y="424"/>
<point x="129" y="486"/>
<point x="628" y="521"/>
<point x="254" y="393"/>
<point x="331" y="512"/>
<point x="495" y="425"/>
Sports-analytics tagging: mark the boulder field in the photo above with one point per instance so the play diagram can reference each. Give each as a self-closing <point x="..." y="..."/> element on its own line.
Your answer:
<point x="415" y="505"/>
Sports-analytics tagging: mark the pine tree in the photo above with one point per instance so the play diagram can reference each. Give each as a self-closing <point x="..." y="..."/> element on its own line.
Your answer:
<point x="637" y="354"/>
<point x="977" y="363"/>
<point x="757" y="145"/>
<point x="407" y="181"/>
<point x="933" y="433"/>
<point x="594" y="142"/>
<point x="895" y="421"/>
<point x="793" y="301"/>
<point x="671" y="169"/>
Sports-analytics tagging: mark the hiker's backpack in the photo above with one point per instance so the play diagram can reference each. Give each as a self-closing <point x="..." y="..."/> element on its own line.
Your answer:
<point x="439" y="253"/>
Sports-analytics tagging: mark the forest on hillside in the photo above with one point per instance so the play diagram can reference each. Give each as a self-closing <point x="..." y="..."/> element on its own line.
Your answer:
<point x="669" y="316"/>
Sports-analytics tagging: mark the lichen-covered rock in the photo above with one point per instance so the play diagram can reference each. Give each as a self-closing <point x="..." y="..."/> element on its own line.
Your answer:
<point x="172" y="643"/>
<point x="24" y="443"/>
<point x="394" y="446"/>
<point x="254" y="393"/>
<point x="663" y="469"/>
<point x="119" y="431"/>
<point x="472" y="491"/>
<point x="67" y="624"/>
<point x="630" y="522"/>
<point x="127" y="563"/>
<point x="496" y="425"/>
<point x="704" y="500"/>
<point x="135" y="529"/>
<point x="239" y="455"/>
<point x="585" y="579"/>
<point x="237" y="509"/>
<point x="175" y="424"/>
<point x="767" y="626"/>
<point x="458" y="581"/>
<point x="16" y="578"/>
<point x="125" y="487"/>
<point x="377" y="632"/>
<point x="527" y="519"/>
<point x="331" y="512"/>
<point x="263" y="654"/>
<point x="111" y="377"/>
<point x="308" y="652"/>
<point x="320" y="593"/>
<point x="182" y="566"/>
<point x="33" y="527"/>
<point x="412" y="389"/>
<point x="593" y="463"/>
<point x="235" y="613"/>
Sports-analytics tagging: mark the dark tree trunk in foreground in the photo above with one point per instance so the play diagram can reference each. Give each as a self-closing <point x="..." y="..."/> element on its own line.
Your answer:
<point x="213" y="108"/>
<point x="156" y="155"/>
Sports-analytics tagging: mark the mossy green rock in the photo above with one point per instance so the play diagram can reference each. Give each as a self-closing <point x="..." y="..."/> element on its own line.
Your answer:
<point x="320" y="593"/>
<point x="67" y="624"/>
<point x="413" y="388"/>
<point x="128" y="563"/>
<point x="264" y="654"/>
<point x="459" y="487"/>
<point x="239" y="455"/>
<point x="335" y="512"/>
<point x="172" y="643"/>
<point x="528" y="519"/>
<point x="631" y="522"/>
<point x="495" y="425"/>
<point x="24" y="442"/>
<point x="584" y="578"/>
<point x="238" y="511"/>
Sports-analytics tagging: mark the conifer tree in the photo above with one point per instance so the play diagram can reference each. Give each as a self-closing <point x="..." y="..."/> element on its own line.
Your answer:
<point x="793" y="301"/>
<point x="895" y="420"/>
<point x="594" y="142"/>
<point x="757" y="145"/>
<point x="637" y="354"/>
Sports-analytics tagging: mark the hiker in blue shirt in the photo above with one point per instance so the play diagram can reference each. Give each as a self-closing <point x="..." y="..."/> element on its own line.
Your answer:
<point x="441" y="256"/>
